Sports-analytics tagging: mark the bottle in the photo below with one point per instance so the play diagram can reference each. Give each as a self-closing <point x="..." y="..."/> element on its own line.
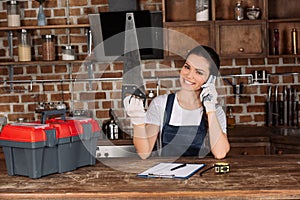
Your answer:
<point x="41" y="16"/>
<point x="116" y="131"/>
<point x="13" y="13"/>
<point x="202" y="10"/>
<point x="48" y="47"/>
<point x="113" y="130"/>
<point x="276" y="42"/>
<point x="24" y="46"/>
<point x="230" y="118"/>
<point x="239" y="11"/>
<point x="110" y="130"/>
<point x="294" y="41"/>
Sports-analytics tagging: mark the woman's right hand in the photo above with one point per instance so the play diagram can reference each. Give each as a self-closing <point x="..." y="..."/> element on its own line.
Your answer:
<point x="134" y="108"/>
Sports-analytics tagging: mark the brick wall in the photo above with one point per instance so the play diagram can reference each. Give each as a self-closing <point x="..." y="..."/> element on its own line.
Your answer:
<point x="20" y="99"/>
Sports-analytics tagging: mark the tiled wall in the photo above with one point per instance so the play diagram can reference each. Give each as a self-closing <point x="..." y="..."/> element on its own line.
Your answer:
<point x="100" y="96"/>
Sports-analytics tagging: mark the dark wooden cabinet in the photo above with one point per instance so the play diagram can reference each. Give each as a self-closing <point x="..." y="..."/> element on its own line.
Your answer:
<point x="285" y="17"/>
<point x="249" y="148"/>
<point x="249" y="145"/>
<point x="232" y="38"/>
<point x="241" y="39"/>
<point x="182" y="37"/>
<point x="282" y="144"/>
<point x="248" y="140"/>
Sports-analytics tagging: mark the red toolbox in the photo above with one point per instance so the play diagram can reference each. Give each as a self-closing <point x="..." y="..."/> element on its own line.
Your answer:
<point x="84" y="137"/>
<point x="52" y="146"/>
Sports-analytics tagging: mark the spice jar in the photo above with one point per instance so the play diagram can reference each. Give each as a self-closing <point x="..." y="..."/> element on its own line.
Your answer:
<point x="68" y="52"/>
<point x="239" y="11"/>
<point x="24" y="46"/>
<point x="13" y="13"/>
<point x="202" y="10"/>
<point x="48" y="47"/>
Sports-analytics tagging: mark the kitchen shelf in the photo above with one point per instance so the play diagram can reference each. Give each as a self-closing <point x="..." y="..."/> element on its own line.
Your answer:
<point x="284" y="20"/>
<point x="45" y="27"/>
<point x="56" y="62"/>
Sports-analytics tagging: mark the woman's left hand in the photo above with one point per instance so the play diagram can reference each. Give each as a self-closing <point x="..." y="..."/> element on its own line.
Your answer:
<point x="209" y="96"/>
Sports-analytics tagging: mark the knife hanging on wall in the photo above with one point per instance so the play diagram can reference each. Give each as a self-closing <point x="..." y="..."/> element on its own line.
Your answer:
<point x="285" y="106"/>
<point x="297" y="108"/>
<point x="294" y="108"/>
<point x="281" y="109"/>
<point x="269" y="107"/>
<point x="276" y="107"/>
<point x="289" y="106"/>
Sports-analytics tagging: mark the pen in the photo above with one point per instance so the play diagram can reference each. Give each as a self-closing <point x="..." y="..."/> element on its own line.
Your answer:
<point x="177" y="167"/>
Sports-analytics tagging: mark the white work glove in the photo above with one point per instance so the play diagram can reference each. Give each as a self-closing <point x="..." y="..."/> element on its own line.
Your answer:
<point x="134" y="108"/>
<point x="209" y="96"/>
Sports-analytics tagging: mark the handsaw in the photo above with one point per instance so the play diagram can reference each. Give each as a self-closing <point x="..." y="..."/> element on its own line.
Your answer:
<point x="132" y="74"/>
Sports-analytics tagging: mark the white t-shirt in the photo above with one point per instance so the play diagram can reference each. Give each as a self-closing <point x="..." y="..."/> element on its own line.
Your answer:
<point x="180" y="116"/>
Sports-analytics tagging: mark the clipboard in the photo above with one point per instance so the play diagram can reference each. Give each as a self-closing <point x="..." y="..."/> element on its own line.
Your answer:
<point x="164" y="170"/>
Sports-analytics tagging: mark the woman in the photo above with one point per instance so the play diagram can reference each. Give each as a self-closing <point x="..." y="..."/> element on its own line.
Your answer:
<point x="185" y="123"/>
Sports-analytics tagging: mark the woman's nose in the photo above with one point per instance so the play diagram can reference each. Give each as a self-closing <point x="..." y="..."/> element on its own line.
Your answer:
<point x="191" y="73"/>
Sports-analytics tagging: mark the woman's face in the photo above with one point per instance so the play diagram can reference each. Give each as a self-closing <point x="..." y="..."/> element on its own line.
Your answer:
<point x="194" y="72"/>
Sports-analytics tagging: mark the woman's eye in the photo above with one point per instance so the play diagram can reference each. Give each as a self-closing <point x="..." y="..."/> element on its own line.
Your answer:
<point x="187" y="66"/>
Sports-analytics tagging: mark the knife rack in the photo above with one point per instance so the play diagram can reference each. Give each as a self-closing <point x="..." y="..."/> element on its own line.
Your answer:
<point x="282" y="110"/>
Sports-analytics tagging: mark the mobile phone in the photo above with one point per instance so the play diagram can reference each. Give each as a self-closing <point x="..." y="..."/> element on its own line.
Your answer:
<point x="211" y="79"/>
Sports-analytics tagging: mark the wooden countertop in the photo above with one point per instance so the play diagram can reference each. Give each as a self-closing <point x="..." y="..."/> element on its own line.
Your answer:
<point x="263" y="177"/>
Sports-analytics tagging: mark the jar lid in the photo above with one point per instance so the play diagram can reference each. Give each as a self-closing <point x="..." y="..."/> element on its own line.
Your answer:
<point x="48" y="36"/>
<point x="68" y="47"/>
<point x="13" y="2"/>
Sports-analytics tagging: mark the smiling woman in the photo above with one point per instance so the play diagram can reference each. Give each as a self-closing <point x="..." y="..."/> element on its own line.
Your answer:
<point x="187" y="123"/>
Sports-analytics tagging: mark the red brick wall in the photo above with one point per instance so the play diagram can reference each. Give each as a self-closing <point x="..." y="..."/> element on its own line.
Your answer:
<point x="99" y="96"/>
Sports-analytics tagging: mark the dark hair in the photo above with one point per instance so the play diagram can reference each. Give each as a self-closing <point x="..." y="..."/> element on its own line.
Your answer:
<point x="210" y="55"/>
<point x="214" y="60"/>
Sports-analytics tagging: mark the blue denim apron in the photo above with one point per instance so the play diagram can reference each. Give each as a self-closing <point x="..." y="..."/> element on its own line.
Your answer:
<point x="181" y="140"/>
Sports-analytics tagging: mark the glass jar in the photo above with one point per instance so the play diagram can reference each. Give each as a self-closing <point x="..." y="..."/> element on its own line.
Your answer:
<point x="202" y="10"/>
<point x="239" y="11"/>
<point x="24" y="46"/>
<point x="13" y="13"/>
<point x="68" y="53"/>
<point x="48" y="47"/>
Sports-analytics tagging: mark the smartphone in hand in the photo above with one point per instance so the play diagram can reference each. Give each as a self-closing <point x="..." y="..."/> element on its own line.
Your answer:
<point x="211" y="79"/>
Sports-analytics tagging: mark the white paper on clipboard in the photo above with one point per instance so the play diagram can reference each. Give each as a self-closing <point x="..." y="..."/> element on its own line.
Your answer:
<point x="163" y="170"/>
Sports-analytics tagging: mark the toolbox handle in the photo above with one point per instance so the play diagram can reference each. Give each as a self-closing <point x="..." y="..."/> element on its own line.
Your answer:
<point x="48" y="113"/>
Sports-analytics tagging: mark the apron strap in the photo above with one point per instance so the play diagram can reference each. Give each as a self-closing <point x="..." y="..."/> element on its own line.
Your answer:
<point x="169" y="107"/>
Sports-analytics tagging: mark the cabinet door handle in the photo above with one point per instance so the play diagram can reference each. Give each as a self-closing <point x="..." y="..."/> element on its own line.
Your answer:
<point x="241" y="49"/>
<point x="280" y="152"/>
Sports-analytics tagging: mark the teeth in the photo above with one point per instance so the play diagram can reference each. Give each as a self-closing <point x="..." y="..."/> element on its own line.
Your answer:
<point x="187" y="82"/>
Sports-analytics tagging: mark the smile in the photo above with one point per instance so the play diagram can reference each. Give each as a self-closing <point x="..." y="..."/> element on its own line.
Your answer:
<point x="188" y="82"/>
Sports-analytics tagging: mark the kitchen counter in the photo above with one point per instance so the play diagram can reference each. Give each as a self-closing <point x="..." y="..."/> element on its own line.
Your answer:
<point x="263" y="177"/>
